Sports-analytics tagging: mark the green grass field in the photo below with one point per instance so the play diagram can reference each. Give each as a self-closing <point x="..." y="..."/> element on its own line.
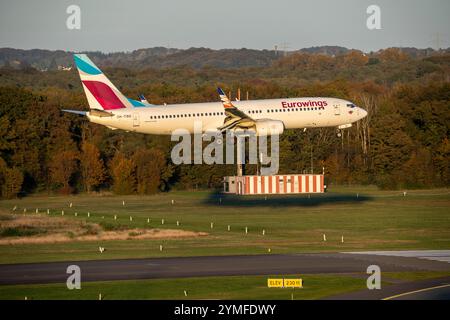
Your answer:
<point x="367" y="218"/>
<point x="230" y="287"/>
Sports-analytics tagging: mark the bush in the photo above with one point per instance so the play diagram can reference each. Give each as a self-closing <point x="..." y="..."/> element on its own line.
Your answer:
<point x="21" y="231"/>
<point x="107" y="226"/>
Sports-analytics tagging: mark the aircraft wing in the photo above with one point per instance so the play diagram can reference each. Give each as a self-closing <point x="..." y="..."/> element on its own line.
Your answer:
<point x="234" y="116"/>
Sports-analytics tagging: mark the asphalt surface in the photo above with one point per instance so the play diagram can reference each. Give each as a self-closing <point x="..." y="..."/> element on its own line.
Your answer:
<point x="319" y="263"/>
<point x="430" y="289"/>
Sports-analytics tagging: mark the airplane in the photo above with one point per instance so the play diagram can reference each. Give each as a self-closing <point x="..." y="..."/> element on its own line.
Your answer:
<point x="109" y="107"/>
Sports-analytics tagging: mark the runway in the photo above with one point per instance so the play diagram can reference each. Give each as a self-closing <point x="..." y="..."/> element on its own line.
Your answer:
<point x="152" y="268"/>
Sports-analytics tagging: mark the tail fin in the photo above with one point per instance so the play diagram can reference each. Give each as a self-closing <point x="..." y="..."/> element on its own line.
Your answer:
<point x="100" y="92"/>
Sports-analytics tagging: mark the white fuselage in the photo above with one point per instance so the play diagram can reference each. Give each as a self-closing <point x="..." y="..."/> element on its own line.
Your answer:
<point x="293" y="112"/>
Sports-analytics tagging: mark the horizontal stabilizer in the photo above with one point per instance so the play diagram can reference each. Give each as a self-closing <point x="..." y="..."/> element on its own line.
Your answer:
<point x="100" y="113"/>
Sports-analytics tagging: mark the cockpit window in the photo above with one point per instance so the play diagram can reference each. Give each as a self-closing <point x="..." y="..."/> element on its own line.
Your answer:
<point x="351" y="105"/>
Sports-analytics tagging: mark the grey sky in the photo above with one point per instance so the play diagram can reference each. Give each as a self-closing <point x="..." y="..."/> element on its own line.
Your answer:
<point x="113" y="25"/>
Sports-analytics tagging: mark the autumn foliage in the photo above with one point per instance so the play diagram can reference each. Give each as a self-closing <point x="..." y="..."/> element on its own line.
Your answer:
<point x="403" y="142"/>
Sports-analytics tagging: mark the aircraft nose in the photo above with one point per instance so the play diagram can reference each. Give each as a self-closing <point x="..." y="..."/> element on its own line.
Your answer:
<point x="362" y="113"/>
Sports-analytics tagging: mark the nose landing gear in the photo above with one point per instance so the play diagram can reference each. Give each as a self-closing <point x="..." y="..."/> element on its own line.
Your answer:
<point x="339" y="129"/>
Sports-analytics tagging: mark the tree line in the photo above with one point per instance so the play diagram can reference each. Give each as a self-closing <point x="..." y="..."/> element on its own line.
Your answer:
<point x="403" y="143"/>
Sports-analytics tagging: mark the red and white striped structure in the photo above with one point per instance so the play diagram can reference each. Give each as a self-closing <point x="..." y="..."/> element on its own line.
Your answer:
<point x="279" y="184"/>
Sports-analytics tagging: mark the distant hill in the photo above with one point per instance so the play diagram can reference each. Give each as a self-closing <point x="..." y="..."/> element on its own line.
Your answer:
<point x="327" y="50"/>
<point x="160" y="57"/>
<point x="157" y="57"/>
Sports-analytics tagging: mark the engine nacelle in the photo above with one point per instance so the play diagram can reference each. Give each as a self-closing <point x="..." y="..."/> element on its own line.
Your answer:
<point x="268" y="127"/>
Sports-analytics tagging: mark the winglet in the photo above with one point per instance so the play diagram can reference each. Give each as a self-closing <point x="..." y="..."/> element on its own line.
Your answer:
<point x="143" y="99"/>
<point x="225" y="101"/>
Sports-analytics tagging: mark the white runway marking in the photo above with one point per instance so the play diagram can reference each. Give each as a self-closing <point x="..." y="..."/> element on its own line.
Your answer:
<point x="435" y="255"/>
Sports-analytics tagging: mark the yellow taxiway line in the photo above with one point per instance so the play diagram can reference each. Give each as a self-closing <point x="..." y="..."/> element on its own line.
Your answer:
<point x="415" y="291"/>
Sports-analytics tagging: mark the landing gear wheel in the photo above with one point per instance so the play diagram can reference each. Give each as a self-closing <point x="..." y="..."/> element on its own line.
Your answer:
<point x="219" y="138"/>
<point x="338" y="133"/>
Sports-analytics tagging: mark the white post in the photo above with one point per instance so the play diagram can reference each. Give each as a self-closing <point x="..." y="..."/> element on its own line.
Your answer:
<point x="37" y="210"/>
<point x="229" y="227"/>
<point x="76" y="214"/>
<point x="264" y="232"/>
<point x="178" y="223"/>
<point x="212" y="225"/>
<point x="246" y="230"/>
<point x="115" y="217"/>
<point x="62" y="212"/>
<point x="48" y="211"/>
<point x="185" y="293"/>
<point x="324" y="237"/>
<point x="131" y="218"/>
<point x="342" y="239"/>
<point x="89" y="214"/>
<point x="123" y="203"/>
<point x="162" y="221"/>
<point x="148" y="220"/>
<point x="160" y="247"/>
<point x="70" y="205"/>
<point x="173" y="201"/>
<point x="240" y="154"/>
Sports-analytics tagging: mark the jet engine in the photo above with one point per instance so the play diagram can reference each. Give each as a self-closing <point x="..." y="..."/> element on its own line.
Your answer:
<point x="268" y="127"/>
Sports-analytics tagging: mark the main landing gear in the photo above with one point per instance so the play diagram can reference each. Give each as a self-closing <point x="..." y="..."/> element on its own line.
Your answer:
<point x="338" y="133"/>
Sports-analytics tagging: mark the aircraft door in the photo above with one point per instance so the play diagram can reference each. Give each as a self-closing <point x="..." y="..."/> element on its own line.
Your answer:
<point x="337" y="108"/>
<point x="136" y="119"/>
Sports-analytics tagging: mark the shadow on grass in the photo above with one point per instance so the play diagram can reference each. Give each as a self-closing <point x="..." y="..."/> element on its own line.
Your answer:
<point x="300" y="200"/>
